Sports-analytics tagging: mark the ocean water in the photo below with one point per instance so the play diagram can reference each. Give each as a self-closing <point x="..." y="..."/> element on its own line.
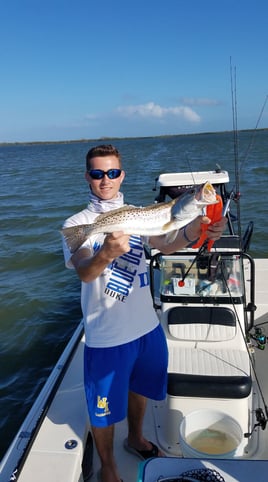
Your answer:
<point x="41" y="185"/>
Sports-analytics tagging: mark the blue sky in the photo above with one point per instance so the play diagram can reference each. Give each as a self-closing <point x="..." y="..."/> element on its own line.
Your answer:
<point x="73" y="69"/>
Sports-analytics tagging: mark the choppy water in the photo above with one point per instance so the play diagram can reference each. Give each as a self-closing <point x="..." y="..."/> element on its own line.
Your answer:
<point x="43" y="184"/>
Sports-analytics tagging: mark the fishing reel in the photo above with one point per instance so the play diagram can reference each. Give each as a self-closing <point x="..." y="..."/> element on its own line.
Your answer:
<point x="259" y="337"/>
<point x="261" y="422"/>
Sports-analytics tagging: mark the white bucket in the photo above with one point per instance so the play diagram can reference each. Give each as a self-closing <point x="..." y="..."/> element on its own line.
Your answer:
<point x="209" y="434"/>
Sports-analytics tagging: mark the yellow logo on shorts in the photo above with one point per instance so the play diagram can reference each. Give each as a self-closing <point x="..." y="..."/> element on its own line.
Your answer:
<point x="103" y="404"/>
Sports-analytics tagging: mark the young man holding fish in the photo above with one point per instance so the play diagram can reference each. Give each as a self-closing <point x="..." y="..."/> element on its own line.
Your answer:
<point x="123" y="335"/>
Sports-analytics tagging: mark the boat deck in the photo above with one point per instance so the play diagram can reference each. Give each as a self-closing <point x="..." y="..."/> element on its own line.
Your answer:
<point x="56" y="452"/>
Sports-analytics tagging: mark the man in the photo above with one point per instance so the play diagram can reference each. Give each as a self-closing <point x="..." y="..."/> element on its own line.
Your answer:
<point x="122" y="330"/>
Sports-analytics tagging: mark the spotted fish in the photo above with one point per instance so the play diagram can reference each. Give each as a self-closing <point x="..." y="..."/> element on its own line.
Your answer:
<point x="153" y="220"/>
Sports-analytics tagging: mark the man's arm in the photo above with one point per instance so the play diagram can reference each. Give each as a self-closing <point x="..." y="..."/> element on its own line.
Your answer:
<point x="115" y="244"/>
<point x="188" y="235"/>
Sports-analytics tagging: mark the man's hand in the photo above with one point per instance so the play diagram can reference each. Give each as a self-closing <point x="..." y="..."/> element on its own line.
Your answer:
<point x="116" y="244"/>
<point x="90" y="267"/>
<point x="214" y="231"/>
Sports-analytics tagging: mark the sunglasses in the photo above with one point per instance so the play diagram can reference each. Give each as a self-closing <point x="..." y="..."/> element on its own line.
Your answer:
<point x="99" y="173"/>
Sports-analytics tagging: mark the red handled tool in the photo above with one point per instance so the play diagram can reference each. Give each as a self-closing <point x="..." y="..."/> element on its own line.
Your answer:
<point x="214" y="213"/>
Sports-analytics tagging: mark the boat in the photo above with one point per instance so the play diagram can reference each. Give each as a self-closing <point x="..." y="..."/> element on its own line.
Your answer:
<point x="213" y="306"/>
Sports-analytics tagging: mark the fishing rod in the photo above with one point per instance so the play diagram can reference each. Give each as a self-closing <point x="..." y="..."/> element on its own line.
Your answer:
<point x="261" y="414"/>
<point x="234" y="194"/>
<point x="259" y="337"/>
<point x="236" y="187"/>
<point x="204" y="247"/>
<point x="254" y="131"/>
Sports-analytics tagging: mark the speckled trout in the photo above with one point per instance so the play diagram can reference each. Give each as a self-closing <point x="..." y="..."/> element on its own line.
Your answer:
<point x="153" y="220"/>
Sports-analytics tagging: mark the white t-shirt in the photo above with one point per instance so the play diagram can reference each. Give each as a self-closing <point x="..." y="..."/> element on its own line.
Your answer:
<point x="117" y="307"/>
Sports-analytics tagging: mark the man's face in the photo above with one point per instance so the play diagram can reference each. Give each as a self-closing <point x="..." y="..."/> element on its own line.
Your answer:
<point x="105" y="188"/>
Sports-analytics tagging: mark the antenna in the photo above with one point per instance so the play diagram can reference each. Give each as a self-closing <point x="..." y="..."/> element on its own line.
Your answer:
<point x="190" y="169"/>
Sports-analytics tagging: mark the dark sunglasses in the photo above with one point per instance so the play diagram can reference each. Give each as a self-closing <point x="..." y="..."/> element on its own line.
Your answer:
<point x="99" y="173"/>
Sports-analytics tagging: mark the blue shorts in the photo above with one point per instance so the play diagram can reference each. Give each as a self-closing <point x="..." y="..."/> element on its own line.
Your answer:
<point x="109" y="373"/>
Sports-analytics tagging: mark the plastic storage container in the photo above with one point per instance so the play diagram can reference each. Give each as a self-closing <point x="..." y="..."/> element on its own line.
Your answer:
<point x="209" y="434"/>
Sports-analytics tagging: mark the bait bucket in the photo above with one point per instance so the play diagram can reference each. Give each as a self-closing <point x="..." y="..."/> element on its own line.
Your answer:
<point x="209" y="434"/>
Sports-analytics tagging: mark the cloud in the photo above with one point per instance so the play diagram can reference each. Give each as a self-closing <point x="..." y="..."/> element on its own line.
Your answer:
<point x="152" y="110"/>
<point x="199" y="101"/>
<point x="91" y="117"/>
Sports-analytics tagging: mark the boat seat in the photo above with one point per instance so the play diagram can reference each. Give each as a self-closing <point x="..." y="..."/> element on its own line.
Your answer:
<point x="197" y="372"/>
<point x="209" y="357"/>
<point x="202" y="323"/>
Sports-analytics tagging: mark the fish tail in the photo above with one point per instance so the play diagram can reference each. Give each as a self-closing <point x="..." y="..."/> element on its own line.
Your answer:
<point x="74" y="237"/>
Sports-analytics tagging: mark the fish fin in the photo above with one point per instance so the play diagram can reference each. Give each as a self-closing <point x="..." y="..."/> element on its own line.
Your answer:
<point x="107" y="214"/>
<point x="167" y="226"/>
<point x="75" y="236"/>
<point x="171" y="233"/>
<point x="171" y="236"/>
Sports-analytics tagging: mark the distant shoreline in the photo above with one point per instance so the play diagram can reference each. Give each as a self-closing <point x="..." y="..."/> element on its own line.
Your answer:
<point x="109" y="139"/>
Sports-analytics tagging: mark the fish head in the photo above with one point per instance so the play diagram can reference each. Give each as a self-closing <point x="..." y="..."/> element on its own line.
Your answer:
<point x="191" y="203"/>
<point x="206" y="194"/>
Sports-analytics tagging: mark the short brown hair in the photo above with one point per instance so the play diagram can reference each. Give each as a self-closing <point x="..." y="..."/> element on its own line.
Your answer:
<point x="102" y="151"/>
